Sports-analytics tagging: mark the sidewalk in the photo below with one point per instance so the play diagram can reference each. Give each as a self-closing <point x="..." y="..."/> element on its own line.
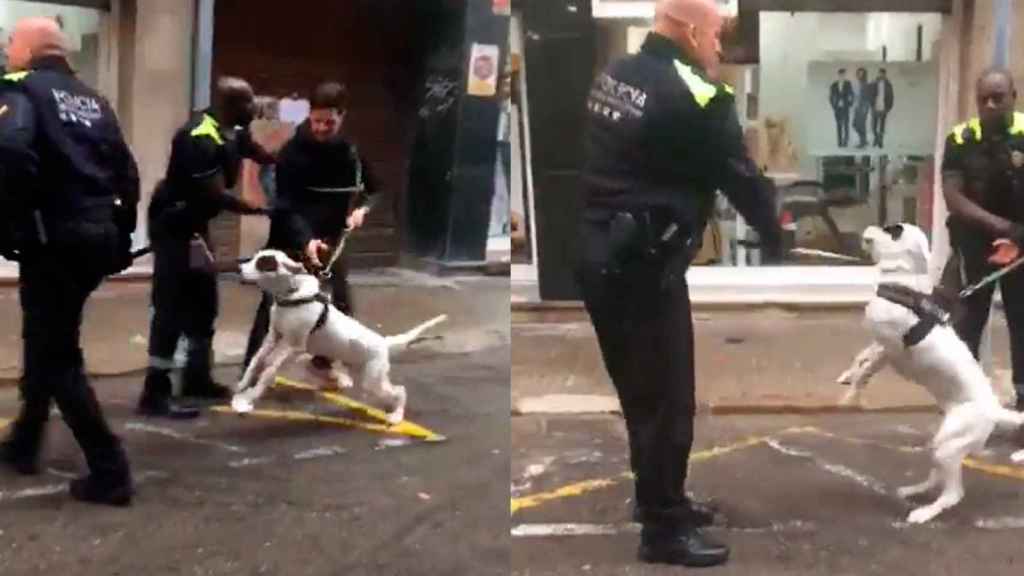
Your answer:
<point x="748" y="361"/>
<point x="116" y="325"/>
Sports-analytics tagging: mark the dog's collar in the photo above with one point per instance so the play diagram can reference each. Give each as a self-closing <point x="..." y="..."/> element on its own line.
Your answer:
<point x="929" y="312"/>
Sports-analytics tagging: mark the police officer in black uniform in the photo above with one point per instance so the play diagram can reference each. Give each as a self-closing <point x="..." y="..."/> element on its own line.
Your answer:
<point x="323" y="188"/>
<point x="662" y="136"/>
<point x="983" y="183"/>
<point x="206" y="156"/>
<point x="71" y="186"/>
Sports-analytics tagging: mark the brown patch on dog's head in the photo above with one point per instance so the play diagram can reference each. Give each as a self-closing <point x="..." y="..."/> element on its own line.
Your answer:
<point x="267" y="263"/>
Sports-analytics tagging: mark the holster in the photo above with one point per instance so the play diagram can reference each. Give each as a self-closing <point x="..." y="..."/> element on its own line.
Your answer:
<point x="652" y="236"/>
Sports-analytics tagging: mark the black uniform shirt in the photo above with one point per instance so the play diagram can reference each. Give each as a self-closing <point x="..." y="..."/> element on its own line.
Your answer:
<point x="201" y="149"/>
<point x="659" y="133"/>
<point x="992" y="171"/>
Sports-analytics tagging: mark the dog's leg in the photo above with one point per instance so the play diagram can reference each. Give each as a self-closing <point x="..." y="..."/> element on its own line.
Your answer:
<point x="258" y="360"/>
<point x="915" y="489"/>
<point x="373" y="378"/>
<point x="964" y="430"/>
<point x="244" y="401"/>
<point x="868" y="363"/>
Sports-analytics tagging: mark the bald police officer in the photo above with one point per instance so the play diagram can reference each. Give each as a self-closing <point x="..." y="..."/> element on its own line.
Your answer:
<point x="71" y="187"/>
<point x="662" y="136"/>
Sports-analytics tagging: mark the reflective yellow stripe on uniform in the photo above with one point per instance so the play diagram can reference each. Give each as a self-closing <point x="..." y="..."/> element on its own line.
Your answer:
<point x="728" y="89"/>
<point x="701" y="89"/>
<point x="1018" y="124"/>
<point x="208" y="127"/>
<point x="15" y="76"/>
<point x="974" y="125"/>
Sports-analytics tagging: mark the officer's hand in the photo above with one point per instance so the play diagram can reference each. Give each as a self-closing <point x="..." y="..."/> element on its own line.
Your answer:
<point x="1006" y="251"/>
<point x="313" y="250"/>
<point x="356" y="218"/>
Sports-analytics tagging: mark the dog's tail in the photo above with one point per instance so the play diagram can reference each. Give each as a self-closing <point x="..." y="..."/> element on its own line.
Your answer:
<point x="404" y="339"/>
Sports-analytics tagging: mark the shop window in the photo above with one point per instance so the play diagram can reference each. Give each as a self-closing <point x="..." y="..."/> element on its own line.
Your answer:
<point x="80" y="25"/>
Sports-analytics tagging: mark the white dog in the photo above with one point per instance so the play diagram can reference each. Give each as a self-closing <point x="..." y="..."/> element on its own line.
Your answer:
<point x="930" y="355"/>
<point x="302" y="320"/>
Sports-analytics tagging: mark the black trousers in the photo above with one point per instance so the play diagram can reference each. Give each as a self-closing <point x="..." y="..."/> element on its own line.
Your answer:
<point x="878" y="126"/>
<point x="645" y="334"/>
<point x="970" y="262"/>
<point x="184" y="301"/>
<point x="842" y="126"/>
<point x="341" y="294"/>
<point x="53" y="291"/>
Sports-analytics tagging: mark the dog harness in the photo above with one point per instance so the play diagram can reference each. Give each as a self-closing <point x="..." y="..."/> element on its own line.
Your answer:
<point x="926" y="306"/>
<point x="319" y="297"/>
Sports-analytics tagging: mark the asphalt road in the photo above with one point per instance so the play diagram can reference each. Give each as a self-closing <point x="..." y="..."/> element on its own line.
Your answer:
<point x="810" y="495"/>
<point x="232" y="495"/>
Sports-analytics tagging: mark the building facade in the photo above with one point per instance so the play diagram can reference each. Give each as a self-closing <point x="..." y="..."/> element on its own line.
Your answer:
<point x="847" y="150"/>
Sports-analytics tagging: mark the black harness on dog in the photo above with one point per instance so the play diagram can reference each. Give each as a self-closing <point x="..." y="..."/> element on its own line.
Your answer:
<point x="321" y="298"/>
<point x="927" y="307"/>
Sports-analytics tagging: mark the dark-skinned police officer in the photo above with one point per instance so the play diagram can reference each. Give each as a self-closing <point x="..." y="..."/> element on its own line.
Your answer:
<point x="662" y="136"/>
<point x="323" y="187"/>
<point x="205" y="162"/>
<point x="71" y="188"/>
<point x="983" y="184"/>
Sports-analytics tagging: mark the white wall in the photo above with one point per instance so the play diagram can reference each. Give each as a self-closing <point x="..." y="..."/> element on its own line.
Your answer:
<point x="790" y="41"/>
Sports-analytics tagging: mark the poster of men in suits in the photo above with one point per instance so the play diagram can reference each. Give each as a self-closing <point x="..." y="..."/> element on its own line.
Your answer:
<point x="864" y="113"/>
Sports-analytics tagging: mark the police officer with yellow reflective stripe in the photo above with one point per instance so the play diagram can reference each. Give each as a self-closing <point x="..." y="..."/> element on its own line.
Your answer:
<point x="205" y="161"/>
<point x="70" y="188"/>
<point x="983" y="183"/>
<point x="662" y="136"/>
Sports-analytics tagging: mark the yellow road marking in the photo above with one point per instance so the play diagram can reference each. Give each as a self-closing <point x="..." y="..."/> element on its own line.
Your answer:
<point x="580" y="488"/>
<point x="297" y="416"/>
<point x="4" y="422"/>
<point x="906" y="449"/>
<point x="404" y="427"/>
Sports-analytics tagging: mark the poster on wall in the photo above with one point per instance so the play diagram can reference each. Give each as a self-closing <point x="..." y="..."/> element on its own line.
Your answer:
<point x="483" y="70"/>
<point x="870" y="108"/>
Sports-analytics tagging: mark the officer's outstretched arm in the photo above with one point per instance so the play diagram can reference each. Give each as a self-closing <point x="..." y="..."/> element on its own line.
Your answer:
<point x="963" y="207"/>
<point x="749" y="191"/>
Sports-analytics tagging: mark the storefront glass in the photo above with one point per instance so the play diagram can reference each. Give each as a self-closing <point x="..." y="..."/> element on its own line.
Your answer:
<point x="80" y="25"/>
<point x="845" y="150"/>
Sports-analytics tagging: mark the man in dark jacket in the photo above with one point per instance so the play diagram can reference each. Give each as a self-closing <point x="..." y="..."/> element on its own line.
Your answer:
<point x="840" y="97"/>
<point x="323" y="188"/>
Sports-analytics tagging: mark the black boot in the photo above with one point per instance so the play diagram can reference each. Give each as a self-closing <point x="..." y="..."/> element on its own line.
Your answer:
<point x="701" y="514"/>
<point x="23" y="462"/>
<point x="681" y="545"/>
<point x="112" y="488"/>
<point x="197" y="380"/>
<point x="156" y="398"/>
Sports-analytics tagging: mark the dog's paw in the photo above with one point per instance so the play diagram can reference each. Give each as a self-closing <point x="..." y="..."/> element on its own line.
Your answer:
<point x="922" y="515"/>
<point x="344" y="380"/>
<point x="241" y="405"/>
<point x="1018" y="457"/>
<point x="395" y="416"/>
<point x="846" y="378"/>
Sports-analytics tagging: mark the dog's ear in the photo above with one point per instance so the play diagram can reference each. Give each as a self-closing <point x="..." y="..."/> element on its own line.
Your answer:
<point x="266" y="263"/>
<point x="293" y="266"/>
<point x="894" y="230"/>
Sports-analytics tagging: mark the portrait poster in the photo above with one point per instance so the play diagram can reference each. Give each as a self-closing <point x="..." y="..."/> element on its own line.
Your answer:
<point x="483" y="70"/>
<point x="870" y="108"/>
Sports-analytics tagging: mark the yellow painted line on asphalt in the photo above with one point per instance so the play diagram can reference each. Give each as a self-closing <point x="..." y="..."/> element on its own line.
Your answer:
<point x="297" y="416"/>
<point x="404" y="427"/>
<point x="1004" y="470"/>
<point x="580" y="488"/>
<point x="1015" y="472"/>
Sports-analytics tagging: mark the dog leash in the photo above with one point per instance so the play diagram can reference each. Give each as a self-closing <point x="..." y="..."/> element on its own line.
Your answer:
<point x="991" y="278"/>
